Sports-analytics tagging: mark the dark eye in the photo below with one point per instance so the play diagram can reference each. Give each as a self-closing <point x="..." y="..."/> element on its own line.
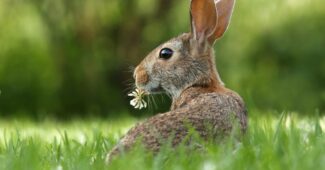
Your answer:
<point x="165" y="53"/>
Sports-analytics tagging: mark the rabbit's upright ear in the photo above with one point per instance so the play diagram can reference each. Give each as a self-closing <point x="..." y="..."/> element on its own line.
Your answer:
<point x="224" y="11"/>
<point x="203" y="19"/>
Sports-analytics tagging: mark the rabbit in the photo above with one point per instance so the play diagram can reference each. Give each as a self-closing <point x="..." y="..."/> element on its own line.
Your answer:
<point x="184" y="67"/>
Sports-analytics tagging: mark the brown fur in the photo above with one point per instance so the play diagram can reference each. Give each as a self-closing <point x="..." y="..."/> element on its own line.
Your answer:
<point x="191" y="78"/>
<point x="142" y="76"/>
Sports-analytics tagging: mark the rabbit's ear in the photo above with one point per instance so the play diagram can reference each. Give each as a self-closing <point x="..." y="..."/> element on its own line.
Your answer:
<point x="203" y="18"/>
<point x="224" y="11"/>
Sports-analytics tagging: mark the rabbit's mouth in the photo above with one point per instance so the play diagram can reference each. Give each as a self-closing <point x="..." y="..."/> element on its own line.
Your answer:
<point x="153" y="90"/>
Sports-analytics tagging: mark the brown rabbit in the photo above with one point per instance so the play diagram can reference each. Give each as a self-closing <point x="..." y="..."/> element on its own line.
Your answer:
<point x="184" y="67"/>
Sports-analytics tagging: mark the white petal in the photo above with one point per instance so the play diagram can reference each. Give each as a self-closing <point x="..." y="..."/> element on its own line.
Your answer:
<point x="137" y="105"/>
<point x="133" y="102"/>
<point x="133" y="94"/>
<point x="141" y="106"/>
<point x="142" y="103"/>
<point x="145" y="104"/>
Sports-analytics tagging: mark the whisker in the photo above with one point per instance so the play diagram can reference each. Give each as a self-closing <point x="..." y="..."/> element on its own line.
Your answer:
<point x="162" y="98"/>
<point x="130" y="87"/>
<point x="131" y="69"/>
<point x="151" y="102"/>
<point x="150" y="105"/>
<point x="154" y="102"/>
<point x="169" y="96"/>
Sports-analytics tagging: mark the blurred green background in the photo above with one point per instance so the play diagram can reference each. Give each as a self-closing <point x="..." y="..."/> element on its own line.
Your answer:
<point x="67" y="58"/>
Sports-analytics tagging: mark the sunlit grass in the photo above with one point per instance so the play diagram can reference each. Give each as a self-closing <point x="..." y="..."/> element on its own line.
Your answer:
<point x="79" y="130"/>
<point x="272" y="142"/>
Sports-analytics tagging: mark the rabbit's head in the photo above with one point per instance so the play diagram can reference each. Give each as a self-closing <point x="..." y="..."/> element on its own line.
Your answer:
<point x="187" y="60"/>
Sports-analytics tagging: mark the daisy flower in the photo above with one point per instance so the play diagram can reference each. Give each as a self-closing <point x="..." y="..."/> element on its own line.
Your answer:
<point x="138" y="102"/>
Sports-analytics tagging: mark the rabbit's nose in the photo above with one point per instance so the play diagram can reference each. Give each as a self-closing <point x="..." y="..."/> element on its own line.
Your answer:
<point x="140" y="75"/>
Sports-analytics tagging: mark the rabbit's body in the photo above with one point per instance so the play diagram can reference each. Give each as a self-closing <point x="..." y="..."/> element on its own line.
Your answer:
<point x="211" y="114"/>
<point x="184" y="67"/>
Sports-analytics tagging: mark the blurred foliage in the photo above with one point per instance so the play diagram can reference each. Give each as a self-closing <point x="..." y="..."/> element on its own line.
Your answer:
<point x="70" y="58"/>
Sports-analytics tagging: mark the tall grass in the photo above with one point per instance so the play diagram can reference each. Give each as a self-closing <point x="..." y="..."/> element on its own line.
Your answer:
<point x="285" y="142"/>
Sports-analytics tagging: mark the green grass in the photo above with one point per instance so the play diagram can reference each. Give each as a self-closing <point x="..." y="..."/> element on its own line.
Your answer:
<point x="283" y="142"/>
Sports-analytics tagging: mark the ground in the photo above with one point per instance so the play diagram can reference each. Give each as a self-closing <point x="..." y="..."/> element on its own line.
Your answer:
<point x="285" y="141"/>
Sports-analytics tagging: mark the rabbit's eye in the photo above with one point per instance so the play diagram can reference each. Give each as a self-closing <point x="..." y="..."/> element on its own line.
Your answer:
<point x="165" y="53"/>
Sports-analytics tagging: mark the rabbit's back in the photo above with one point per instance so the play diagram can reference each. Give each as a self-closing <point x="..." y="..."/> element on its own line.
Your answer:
<point x="212" y="115"/>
